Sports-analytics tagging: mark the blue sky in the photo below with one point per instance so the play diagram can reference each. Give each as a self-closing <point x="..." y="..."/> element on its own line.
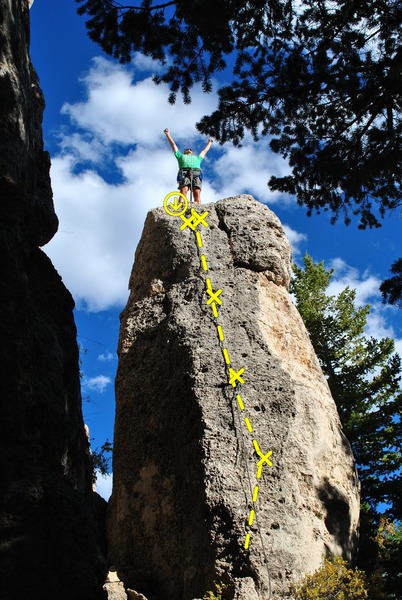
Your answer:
<point x="111" y="164"/>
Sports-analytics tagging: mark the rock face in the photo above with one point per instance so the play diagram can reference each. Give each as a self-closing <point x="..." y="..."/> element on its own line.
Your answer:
<point x="193" y="432"/>
<point x="48" y="545"/>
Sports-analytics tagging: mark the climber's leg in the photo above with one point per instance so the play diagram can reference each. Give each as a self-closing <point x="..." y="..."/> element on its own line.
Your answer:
<point x="197" y="195"/>
<point x="184" y="190"/>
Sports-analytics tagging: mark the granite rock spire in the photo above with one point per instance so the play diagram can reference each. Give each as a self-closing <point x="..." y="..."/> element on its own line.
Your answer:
<point x="191" y="448"/>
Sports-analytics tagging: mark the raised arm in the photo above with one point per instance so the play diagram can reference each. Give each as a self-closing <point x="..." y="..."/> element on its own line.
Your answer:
<point x="170" y="140"/>
<point x="207" y="147"/>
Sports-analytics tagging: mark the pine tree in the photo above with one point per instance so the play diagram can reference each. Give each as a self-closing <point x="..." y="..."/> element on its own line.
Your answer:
<point x="364" y="376"/>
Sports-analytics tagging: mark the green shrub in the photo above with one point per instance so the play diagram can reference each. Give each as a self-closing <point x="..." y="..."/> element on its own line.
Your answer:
<point x="334" y="581"/>
<point x="217" y="595"/>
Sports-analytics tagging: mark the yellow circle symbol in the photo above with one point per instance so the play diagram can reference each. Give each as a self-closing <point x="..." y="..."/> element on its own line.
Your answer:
<point x="178" y="206"/>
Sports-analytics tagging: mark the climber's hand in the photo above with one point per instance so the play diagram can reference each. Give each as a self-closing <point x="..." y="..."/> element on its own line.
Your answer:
<point x="166" y="131"/>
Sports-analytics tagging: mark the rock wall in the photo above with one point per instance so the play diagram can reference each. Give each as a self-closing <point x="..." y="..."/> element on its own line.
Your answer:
<point x="48" y="546"/>
<point x="191" y="445"/>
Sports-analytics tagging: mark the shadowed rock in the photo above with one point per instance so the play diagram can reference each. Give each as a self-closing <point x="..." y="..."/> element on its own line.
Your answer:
<point x="48" y="546"/>
<point x="184" y="461"/>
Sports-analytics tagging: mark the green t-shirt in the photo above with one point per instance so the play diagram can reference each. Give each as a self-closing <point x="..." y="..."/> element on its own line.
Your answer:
<point x="188" y="161"/>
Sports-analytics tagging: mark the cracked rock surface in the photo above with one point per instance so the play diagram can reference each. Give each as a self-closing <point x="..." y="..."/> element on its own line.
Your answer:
<point x="184" y="461"/>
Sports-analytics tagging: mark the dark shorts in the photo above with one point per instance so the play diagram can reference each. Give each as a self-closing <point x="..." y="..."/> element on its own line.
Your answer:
<point x="184" y="178"/>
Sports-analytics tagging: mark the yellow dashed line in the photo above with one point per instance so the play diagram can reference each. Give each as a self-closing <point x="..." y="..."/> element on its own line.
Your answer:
<point x="247" y="542"/>
<point x="234" y="377"/>
<point x="248" y="424"/>
<point x="255" y="494"/>
<point x="240" y="401"/>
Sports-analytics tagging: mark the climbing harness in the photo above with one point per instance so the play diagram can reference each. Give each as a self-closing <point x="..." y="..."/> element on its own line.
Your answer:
<point x="190" y="174"/>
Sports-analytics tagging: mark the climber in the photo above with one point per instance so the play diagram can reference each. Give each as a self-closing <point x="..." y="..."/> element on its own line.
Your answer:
<point x="190" y="175"/>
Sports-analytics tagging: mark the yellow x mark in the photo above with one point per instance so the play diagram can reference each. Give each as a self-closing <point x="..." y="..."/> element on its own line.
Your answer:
<point x="214" y="295"/>
<point x="233" y="377"/>
<point x="195" y="220"/>
<point x="264" y="458"/>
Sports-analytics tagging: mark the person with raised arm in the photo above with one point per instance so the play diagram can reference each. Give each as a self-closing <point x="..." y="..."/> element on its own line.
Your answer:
<point x="190" y="174"/>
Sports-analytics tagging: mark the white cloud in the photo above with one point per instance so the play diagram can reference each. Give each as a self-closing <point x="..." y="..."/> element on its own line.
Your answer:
<point x="118" y="109"/>
<point x="377" y="327"/>
<point x="100" y="226"/>
<point x="83" y="147"/>
<point x="98" y="383"/>
<point x="115" y="165"/>
<point x="366" y="285"/>
<point x="367" y="292"/>
<point x="104" y="484"/>
<point x="146" y="64"/>
<point x="248" y="169"/>
<point x="108" y="357"/>
<point x="295" y="238"/>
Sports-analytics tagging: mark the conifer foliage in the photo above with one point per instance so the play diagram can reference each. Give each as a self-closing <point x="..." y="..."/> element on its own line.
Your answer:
<point x="321" y="77"/>
<point x="364" y="375"/>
